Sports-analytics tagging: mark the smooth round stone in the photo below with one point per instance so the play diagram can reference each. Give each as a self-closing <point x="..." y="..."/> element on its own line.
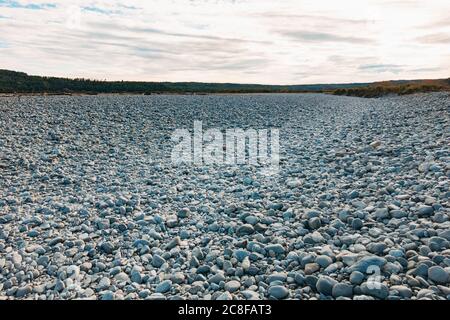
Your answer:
<point x="357" y="277"/>
<point x="136" y="276"/>
<point x="425" y="211"/>
<point x="204" y="269"/>
<point x="121" y="277"/>
<point x="438" y="274"/>
<point x="277" y="277"/>
<point x="368" y="262"/>
<point x="299" y="279"/>
<point x="245" y="229"/>
<point x="324" y="261"/>
<point x="357" y="224"/>
<point x="310" y="268"/>
<point x="396" y="253"/>
<point x="156" y="296"/>
<point x="438" y="243"/>
<point x="325" y="285"/>
<point x="342" y="290"/>
<point x="275" y="248"/>
<point x="158" y="261"/>
<point x="278" y="292"/>
<point x="252" y="220"/>
<point x="232" y="286"/>
<point x="225" y="296"/>
<point x="250" y="295"/>
<point x="375" y="289"/>
<point x="23" y="291"/>
<point x="403" y="291"/>
<point x="107" y="295"/>
<point x="240" y="254"/>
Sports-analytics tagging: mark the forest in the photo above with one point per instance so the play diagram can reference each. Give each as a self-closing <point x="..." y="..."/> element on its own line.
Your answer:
<point x="13" y="82"/>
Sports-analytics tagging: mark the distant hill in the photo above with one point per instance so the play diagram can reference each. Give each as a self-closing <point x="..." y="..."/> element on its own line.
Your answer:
<point x="398" y="87"/>
<point x="20" y="82"/>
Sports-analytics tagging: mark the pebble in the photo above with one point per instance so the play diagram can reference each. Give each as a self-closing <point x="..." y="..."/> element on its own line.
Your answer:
<point x="403" y="291"/>
<point x="278" y="292"/>
<point x="438" y="275"/>
<point x="325" y="285"/>
<point x="324" y="261"/>
<point x="275" y="248"/>
<point x="356" y="277"/>
<point x="23" y="291"/>
<point x="375" y="289"/>
<point x="342" y="290"/>
<point x="425" y="211"/>
<point x="232" y="286"/>
<point x="245" y="229"/>
<point x="122" y="277"/>
<point x="164" y="286"/>
<point x="369" y="261"/>
<point x="158" y="261"/>
<point x="225" y="296"/>
<point x="314" y="223"/>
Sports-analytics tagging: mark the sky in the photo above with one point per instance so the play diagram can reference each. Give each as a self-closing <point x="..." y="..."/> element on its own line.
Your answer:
<point x="240" y="41"/>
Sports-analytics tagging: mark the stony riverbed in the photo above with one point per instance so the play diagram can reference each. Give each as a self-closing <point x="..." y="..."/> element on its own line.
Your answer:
<point x="91" y="206"/>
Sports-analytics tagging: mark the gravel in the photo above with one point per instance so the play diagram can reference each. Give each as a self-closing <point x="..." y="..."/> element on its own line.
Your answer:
<point x="91" y="206"/>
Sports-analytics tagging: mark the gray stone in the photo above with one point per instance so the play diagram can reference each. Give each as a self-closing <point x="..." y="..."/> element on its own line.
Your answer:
<point x="403" y="291"/>
<point x="382" y="213"/>
<point x="225" y="296"/>
<point x="157" y="261"/>
<point x="325" y="285"/>
<point x="425" y="211"/>
<point x="122" y="277"/>
<point x="357" y="277"/>
<point x="375" y="289"/>
<point x="275" y="248"/>
<point x="438" y="275"/>
<point x="232" y="286"/>
<point x="314" y="223"/>
<point x="245" y="229"/>
<point x="357" y="224"/>
<point x="217" y="278"/>
<point x="324" y="261"/>
<point x="342" y="290"/>
<point x="183" y="213"/>
<point x="23" y="291"/>
<point x="107" y="247"/>
<point x="278" y="292"/>
<point x="366" y="262"/>
<point x="164" y="286"/>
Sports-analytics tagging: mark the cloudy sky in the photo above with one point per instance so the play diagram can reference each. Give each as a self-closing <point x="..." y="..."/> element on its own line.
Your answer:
<point x="244" y="41"/>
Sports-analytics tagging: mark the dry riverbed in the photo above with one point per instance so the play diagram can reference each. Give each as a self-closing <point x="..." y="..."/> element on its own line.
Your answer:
<point x="91" y="206"/>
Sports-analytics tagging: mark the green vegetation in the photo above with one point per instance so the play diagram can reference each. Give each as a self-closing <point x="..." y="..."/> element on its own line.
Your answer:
<point x="19" y="82"/>
<point x="380" y="89"/>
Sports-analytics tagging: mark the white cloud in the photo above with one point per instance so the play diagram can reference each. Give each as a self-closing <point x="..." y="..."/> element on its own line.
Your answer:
<point x="246" y="41"/>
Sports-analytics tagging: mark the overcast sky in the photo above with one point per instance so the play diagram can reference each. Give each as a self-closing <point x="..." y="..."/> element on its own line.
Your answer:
<point x="244" y="41"/>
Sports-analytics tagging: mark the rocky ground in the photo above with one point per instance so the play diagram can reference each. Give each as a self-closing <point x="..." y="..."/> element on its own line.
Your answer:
<point x="92" y="208"/>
